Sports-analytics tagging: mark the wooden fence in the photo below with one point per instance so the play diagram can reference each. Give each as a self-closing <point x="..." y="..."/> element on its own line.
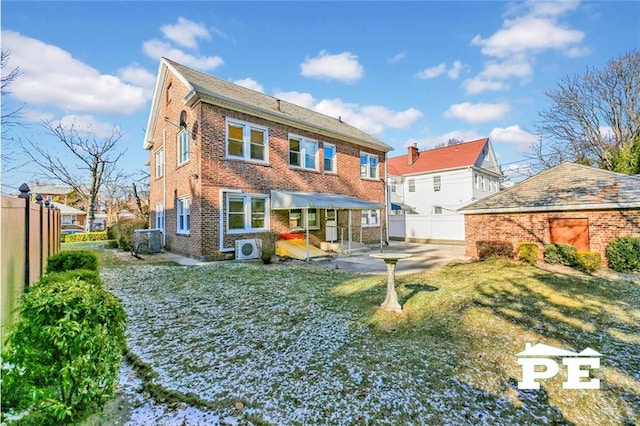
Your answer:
<point x="30" y="234"/>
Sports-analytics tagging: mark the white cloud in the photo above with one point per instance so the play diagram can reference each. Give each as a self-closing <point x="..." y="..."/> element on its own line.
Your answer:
<point x="65" y="82"/>
<point x="250" y="83"/>
<point x="478" y="113"/>
<point x="516" y="66"/>
<point x="551" y="8"/>
<point x="513" y="135"/>
<point x="397" y="58"/>
<point x="577" y="51"/>
<point x="156" y="49"/>
<point x="528" y="33"/>
<point x="431" y="141"/>
<point x="87" y="125"/>
<point x="186" y="33"/>
<point x="432" y="72"/>
<point x="343" y="66"/>
<point x="369" y="118"/>
<point x="304" y="100"/>
<point x="137" y="75"/>
<point x="477" y="85"/>
<point x="454" y="71"/>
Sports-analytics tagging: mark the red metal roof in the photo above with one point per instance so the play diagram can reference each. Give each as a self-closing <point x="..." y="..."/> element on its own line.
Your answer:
<point x="449" y="157"/>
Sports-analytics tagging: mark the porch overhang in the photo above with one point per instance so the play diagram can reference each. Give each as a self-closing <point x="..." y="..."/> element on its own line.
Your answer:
<point x="288" y="200"/>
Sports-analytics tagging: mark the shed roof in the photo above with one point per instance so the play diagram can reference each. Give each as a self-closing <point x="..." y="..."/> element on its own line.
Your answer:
<point x="210" y="89"/>
<point x="568" y="186"/>
<point x="449" y="157"/>
<point x="286" y="200"/>
<point x="65" y="209"/>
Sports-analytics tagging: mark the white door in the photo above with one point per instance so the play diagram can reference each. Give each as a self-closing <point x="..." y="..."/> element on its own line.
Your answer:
<point x="331" y="226"/>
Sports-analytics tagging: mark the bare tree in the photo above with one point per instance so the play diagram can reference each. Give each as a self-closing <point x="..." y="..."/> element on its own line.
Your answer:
<point x="594" y="119"/>
<point x="85" y="163"/>
<point x="10" y="117"/>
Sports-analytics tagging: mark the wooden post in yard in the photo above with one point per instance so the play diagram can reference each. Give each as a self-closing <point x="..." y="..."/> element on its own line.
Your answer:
<point x="24" y="193"/>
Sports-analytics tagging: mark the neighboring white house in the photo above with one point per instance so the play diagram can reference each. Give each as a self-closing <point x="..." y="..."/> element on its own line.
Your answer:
<point x="428" y="187"/>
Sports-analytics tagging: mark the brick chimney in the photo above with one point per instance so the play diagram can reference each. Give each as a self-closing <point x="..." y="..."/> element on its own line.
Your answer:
<point x="413" y="154"/>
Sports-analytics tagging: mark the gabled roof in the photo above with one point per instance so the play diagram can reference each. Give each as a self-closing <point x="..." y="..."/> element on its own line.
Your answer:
<point x="449" y="157"/>
<point x="213" y="90"/>
<point x="64" y="209"/>
<point x="565" y="187"/>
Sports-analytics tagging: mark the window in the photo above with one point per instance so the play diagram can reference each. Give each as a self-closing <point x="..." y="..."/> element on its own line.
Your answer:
<point x="483" y="183"/>
<point x="160" y="163"/>
<point x="303" y="153"/>
<point x="436" y="183"/>
<point x="412" y="185"/>
<point x="368" y="166"/>
<point x="477" y="181"/>
<point x="330" y="158"/>
<point x="183" y="146"/>
<point x="296" y="219"/>
<point x="394" y="185"/>
<point x="246" y="141"/>
<point x="160" y="216"/>
<point x="370" y="218"/>
<point x="437" y="209"/>
<point x="246" y="213"/>
<point x="69" y="219"/>
<point x="184" y="215"/>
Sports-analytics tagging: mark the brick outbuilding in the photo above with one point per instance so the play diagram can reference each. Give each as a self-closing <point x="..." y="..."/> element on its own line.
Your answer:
<point x="570" y="203"/>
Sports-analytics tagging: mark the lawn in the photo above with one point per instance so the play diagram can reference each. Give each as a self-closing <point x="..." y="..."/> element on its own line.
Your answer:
<point x="299" y="344"/>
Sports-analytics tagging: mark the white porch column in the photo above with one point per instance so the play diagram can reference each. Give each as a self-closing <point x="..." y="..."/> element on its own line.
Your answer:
<point x="349" y="230"/>
<point x="306" y="228"/>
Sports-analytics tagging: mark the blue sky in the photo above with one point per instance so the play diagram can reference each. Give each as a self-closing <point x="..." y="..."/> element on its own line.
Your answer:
<point x="406" y="72"/>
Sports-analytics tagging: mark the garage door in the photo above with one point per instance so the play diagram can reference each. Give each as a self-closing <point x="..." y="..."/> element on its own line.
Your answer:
<point x="570" y="231"/>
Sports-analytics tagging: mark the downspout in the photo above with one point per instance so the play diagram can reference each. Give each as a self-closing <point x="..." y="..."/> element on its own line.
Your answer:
<point x="164" y="187"/>
<point x="387" y="206"/>
<point x="306" y="228"/>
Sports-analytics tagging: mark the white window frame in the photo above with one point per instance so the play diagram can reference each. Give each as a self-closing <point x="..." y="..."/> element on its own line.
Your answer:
<point x="183" y="146"/>
<point x="365" y="170"/>
<point x="183" y="211"/>
<point x="370" y="218"/>
<point x="333" y="160"/>
<point x="437" y="209"/>
<point x="411" y="185"/>
<point x="160" y="218"/>
<point x="160" y="163"/>
<point x="246" y="140"/>
<point x="437" y="183"/>
<point x="483" y="184"/>
<point x="394" y="185"/>
<point x="302" y="217"/>
<point x="305" y="143"/>
<point x="70" y="219"/>
<point x="247" y="212"/>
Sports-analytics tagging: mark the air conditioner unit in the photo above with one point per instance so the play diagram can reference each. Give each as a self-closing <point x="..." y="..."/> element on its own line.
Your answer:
<point x="247" y="249"/>
<point x="147" y="240"/>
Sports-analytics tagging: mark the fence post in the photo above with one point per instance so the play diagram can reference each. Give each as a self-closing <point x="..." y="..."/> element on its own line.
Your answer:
<point x="47" y="206"/>
<point x="39" y="202"/>
<point x="24" y="193"/>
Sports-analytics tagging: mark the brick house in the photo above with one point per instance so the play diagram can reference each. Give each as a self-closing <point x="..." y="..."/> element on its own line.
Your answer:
<point x="228" y="163"/>
<point x="428" y="187"/>
<point x="570" y="203"/>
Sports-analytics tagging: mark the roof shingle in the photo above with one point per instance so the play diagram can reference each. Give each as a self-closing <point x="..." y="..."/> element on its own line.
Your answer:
<point x="449" y="157"/>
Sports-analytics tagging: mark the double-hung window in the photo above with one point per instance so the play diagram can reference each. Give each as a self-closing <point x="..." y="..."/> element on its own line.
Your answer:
<point x="330" y="158"/>
<point x="368" y="166"/>
<point x="246" y="141"/>
<point x="183" y="208"/>
<point x="370" y="218"/>
<point x="437" y="182"/>
<point x="160" y="163"/>
<point x="160" y="216"/>
<point x="246" y="213"/>
<point x="303" y="152"/>
<point x="412" y="185"/>
<point x="183" y="146"/>
<point x="297" y="219"/>
<point x="69" y="219"/>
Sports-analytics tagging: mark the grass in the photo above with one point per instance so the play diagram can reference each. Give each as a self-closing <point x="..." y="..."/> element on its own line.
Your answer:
<point x="302" y="344"/>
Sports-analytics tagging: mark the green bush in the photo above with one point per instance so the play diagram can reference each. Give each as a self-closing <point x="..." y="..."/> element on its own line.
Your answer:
<point x="72" y="259"/>
<point x="528" y="252"/>
<point x="588" y="261"/>
<point x="123" y="232"/>
<point x="560" y="253"/>
<point x="85" y="275"/>
<point x="61" y="358"/>
<point x="84" y="236"/>
<point x="488" y="249"/>
<point x="623" y="254"/>
<point x="267" y="245"/>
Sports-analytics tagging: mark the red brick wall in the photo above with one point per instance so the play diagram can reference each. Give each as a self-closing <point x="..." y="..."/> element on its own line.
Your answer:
<point x="604" y="225"/>
<point x="215" y="172"/>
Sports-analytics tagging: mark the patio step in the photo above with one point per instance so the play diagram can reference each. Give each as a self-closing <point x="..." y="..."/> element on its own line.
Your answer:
<point x="356" y="248"/>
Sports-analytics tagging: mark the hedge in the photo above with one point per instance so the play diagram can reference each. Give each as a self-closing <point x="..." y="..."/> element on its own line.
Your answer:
<point x="560" y="253"/>
<point x="84" y="236"/>
<point x="528" y="252"/>
<point x="588" y="261"/>
<point x="72" y="259"/>
<point x="623" y="254"/>
<point x="488" y="249"/>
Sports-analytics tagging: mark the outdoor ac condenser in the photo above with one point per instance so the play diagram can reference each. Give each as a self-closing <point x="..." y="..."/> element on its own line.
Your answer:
<point x="147" y="240"/>
<point x="247" y="249"/>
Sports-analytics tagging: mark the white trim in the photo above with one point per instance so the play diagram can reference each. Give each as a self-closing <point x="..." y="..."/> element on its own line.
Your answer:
<point x="303" y="152"/>
<point x="334" y="160"/>
<point x="568" y="208"/>
<point x="180" y="203"/>
<point x="369" y="156"/>
<point x="180" y="147"/>
<point x="222" y="248"/>
<point x="247" y="213"/>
